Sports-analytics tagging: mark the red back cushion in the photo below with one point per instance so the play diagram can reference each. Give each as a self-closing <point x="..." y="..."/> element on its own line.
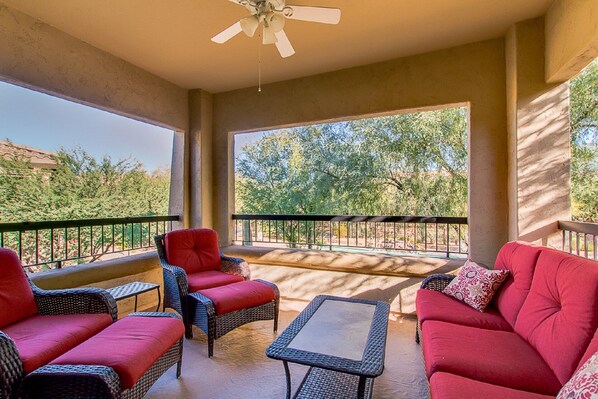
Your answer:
<point x="592" y="348"/>
<point x="560" y="314"/>
<point x="16" y="297"/>
<point x="195" y="250"/>
<point x="520" y="259"/>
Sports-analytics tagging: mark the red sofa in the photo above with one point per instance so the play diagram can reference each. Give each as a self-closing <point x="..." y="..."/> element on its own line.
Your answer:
<point x="538" y="330"/>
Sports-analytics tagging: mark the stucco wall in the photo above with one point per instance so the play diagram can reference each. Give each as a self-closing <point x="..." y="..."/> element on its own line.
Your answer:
<point x="571" y="38"/>
<point x="41" y="57"/>
<point x="472" y="74"/>
<point x="538" y="123"/>
<point x="200" y="158"/>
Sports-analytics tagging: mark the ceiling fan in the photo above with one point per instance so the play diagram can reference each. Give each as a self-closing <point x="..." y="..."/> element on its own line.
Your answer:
<point x="273" y="13"/>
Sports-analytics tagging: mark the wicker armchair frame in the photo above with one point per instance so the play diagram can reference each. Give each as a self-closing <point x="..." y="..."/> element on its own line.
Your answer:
<point x="434" y="282"/>
<point x="176" y="287"/>
<point x="99" y="382"/>
<point x="49" y="302"/>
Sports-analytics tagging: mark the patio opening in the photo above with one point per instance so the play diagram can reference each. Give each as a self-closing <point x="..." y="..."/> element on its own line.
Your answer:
<point x="78" y="184"/>
<point x="393" y="183"/>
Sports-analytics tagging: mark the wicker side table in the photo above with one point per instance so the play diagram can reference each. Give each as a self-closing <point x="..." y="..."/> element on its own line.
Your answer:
<point x="342" y="339"/>
<point x="134" y="289"/>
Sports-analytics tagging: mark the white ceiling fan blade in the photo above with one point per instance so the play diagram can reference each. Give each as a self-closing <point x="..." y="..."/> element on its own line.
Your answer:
<point x="322" y="15"/>
<point x="228" y="33"/>
<point x="284" y="46"/>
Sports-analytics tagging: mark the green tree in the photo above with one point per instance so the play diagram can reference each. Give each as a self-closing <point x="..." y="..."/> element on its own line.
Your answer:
<point x="584" y="144"/>
<point x="408" y="164"/>
<point x="81" y="187"/>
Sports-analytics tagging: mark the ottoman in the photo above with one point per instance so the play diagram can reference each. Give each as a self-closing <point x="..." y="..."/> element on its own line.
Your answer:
<point x="121" y="361"/>
<point x="219" y="310"/>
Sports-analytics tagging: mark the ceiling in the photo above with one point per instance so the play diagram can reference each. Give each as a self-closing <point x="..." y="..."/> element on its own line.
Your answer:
<point x="172" y="38"/>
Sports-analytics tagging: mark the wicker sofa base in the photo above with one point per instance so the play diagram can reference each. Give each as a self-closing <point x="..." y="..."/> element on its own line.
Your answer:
<point x="215" y="326"/>
<point x="96" y="382"/>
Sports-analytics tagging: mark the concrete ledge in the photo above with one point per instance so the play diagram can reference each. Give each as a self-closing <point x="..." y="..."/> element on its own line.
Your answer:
<point x="363" y="263"/>
<point x="109" y="273"/>
<point x="96" y="272"/>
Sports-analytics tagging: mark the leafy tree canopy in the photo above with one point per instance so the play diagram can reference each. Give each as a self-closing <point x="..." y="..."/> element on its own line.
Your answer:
<point x="81" y="187"/>
<point x="584" y="144"/>
<point x="407" y="164"/>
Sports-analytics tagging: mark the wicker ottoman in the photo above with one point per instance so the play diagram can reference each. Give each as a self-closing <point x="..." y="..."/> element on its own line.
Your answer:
<point x="122" y="361"/>
<point x="219" y="310"/>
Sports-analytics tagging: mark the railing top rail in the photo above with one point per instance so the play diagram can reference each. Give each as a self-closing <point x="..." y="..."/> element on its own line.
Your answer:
<point x="356" y="218"/>
<point x="579" y="227"/>
<point x="58" y="224"/>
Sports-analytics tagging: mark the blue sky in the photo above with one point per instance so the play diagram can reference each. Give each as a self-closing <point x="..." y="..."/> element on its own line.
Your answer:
<point x="41" y="121"/>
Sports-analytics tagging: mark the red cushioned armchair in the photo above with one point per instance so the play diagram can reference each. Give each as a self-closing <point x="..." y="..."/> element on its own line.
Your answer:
<point x="37" y="326"/>
<point x="192" y="261"/>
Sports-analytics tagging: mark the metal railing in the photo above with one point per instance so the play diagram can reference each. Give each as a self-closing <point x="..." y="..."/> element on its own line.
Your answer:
<point x="580" y="238"/>
<point x="54" y="244"/>
<point x="447" y="235"/>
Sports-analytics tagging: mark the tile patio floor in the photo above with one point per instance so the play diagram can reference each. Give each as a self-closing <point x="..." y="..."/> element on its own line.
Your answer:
<point x="240" y="368"/>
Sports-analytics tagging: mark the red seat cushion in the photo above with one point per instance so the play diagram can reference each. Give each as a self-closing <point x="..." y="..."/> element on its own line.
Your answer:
<point x="237" y="296"/>
<point x="520" y="259"/>
<point x="40" y="339"/>
<point x="450" y="386"/>
<point x="194" y="250"/>
<point x="560" y="316"/>
<point x="434" y="305"/>
<point x="495" y="357"/>
<point x="130" y="346"/>
<point x="16" y="297"/>
<point x="209" y="279"/>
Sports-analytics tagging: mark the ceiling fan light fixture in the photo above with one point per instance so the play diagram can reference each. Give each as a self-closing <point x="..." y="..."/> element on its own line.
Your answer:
<point x="269" y="36"/>
<point x="275" y="22"/>
<point x="249" y="25"/>
<point x="272" y="14"/>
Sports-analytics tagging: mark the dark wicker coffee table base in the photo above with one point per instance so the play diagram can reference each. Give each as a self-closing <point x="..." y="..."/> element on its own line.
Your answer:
<point x="319" y="383"/>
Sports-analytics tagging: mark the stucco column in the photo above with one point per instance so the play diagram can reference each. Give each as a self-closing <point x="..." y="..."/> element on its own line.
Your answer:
<point x="200" y="158"/>
<point x="538" y="138"/>
<point x="179" y="175"/>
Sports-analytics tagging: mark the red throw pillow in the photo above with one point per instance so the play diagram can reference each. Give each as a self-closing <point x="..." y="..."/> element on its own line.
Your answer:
<point x="584" y="383"/>
<point x="475" y="285"/>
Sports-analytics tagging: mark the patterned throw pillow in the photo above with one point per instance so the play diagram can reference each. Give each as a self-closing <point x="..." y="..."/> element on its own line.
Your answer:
<point x="475" y="285"/>
<point x="584" y="383"/>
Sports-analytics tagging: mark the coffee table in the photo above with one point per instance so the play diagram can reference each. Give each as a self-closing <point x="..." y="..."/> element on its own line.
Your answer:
<point x="342" y="339"/>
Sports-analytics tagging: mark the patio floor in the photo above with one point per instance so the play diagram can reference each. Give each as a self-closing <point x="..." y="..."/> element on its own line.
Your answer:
<point x="240" y="368"/>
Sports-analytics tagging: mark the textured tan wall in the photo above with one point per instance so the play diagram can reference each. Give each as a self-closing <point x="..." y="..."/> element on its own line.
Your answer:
<point x="41" y="57"/>
<point x="106" y="274"/>
<point x="473" y="74"/>
<point x="571" y="38"/>
<point x="207" y="156"/>
<point x="200" y="158"/>
<point x="195" y="156"/>
<point x="511" y="94"/>
<point x="538" y="123"/>
<point x="179" y="180"/>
